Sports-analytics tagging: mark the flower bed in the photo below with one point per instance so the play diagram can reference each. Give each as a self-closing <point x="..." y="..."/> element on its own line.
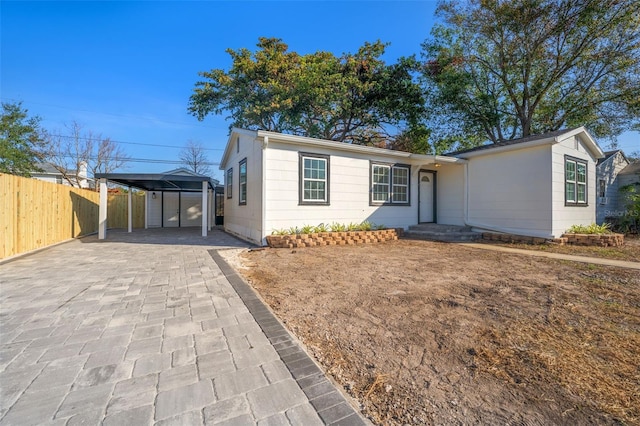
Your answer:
<point x="332" y="238"/>
<point x="602" y="240"/>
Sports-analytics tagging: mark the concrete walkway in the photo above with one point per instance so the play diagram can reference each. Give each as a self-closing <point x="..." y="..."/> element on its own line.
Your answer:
<point x="145" y="328"/>
<point x="560" y="256"/>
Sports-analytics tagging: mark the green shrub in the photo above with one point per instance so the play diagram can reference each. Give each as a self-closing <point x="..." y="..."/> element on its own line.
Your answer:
<point x="353" y="227"/>
<point x="366" y="226"/>
<point x="338" y="227"/>
<point x="293" y="230"/>
<point x="307" y="229"/>
<point x="590" y="229"/>
<point x="321" y="228"/>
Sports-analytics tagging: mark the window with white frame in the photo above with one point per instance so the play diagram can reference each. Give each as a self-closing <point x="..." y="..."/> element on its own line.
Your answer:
<point x="575" y="182"/>
<point x="389" y="184"/>
<point x="314" y="179"/>
<point x="229" y="182"/>
<point x="242" y="182"/>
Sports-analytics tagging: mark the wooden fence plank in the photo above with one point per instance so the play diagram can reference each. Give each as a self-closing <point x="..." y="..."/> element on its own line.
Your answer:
<point x="35" y="214"/>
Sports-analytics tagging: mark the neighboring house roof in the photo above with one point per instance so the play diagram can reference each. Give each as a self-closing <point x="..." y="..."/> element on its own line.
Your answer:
<point x="534" y="140"/>
<point x="327" y="144"/>
<point x="47" y="168"/>
<point x="610" y="154"/>
<point x="632" y="168"/>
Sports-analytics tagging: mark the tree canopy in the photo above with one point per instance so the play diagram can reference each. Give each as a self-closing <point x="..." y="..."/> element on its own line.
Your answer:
<point x="500" y="70"/>
<point x="21" y="144"/>
<point x="354" y="98"/>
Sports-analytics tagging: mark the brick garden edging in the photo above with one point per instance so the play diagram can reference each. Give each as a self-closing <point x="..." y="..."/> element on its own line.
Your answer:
<point x="332" y="238"/>
<point x="602" y="240"/>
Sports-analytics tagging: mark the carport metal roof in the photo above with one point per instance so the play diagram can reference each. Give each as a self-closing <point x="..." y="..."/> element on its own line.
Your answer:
<point x="173" y="181"/>
<point x="158" y="181"/>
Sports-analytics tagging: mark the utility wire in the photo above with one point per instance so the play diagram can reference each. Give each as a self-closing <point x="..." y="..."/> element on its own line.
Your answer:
<point x="132" y="143"/>
<point x="143" y="160"/>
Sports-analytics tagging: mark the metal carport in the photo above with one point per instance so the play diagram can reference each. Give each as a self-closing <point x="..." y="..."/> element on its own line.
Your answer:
<point x="150" y="182"/>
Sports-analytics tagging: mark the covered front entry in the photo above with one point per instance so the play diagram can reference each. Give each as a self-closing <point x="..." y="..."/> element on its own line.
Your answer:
<point x="427" y="192"/>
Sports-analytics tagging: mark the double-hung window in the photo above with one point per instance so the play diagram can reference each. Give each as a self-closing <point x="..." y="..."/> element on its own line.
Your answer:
<point x="575" y="182"/>
<point x="242" y="181"/>
<point x="389" y="184"/>
<point x="230" y="182"/>
<point x="314" y="179"/>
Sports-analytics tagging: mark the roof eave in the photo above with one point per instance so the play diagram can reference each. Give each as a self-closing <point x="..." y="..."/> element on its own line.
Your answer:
<point x="586" y="138"/>
<point x="506" y="148"/>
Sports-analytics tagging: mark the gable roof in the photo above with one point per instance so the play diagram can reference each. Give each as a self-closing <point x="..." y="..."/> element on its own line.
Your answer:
<point x="610" y="154"/>
<point x="533" y="140"/>
<point x="263" y="136"/>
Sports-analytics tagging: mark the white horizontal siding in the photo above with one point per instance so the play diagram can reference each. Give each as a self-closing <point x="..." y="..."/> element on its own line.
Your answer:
<point x="450" y="195"/>
<point x="566" y="216"/>
<point x="348" y="192"/>
<point x="608" y="171"/>
<point x="511" y="191"/>
<point x="245" y="221"/>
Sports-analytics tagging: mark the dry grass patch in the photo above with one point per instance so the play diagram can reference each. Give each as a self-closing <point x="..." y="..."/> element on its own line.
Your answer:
<point x="424" y="332"/>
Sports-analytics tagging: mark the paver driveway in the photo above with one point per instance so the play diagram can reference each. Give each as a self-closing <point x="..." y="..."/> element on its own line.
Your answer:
<point x="140" y="329"/>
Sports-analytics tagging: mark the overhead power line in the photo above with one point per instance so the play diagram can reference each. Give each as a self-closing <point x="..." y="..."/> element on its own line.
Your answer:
<point x="143" y="160"/>
<point x="133" y="143"/>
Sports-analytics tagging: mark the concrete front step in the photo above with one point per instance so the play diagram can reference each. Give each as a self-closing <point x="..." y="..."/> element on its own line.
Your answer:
<point x="436" y="227"/>
<point x="446" y="233"/>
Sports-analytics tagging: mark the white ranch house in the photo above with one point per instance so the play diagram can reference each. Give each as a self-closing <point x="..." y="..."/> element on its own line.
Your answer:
<point x="536" y="186"/>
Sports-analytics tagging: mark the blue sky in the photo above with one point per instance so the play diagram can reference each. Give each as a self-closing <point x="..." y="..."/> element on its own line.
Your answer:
<point x="126" y="69"/>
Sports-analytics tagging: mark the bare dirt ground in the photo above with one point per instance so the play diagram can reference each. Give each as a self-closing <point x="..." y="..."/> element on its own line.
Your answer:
<point x="433" y="333"/>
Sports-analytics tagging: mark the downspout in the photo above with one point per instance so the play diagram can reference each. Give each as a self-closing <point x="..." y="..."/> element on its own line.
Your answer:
<point x="265" y="143"/>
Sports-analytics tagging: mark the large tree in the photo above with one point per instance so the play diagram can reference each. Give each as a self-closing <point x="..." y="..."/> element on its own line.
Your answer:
<point x="499" y="70"/>
<point x="75" y="149"/>
<point x="21" y="142"/>
<point x="355" y="98"/>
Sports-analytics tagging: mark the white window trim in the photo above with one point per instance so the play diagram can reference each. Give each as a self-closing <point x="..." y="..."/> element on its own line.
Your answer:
<point x="391" y="186"/>
<point x="242" y="201"/>
<point x="301" y="198"/>
<point x="576" y="184"/>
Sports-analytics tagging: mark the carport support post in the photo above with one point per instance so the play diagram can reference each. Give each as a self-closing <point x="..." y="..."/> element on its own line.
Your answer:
<point x="205" y="196"/>
<point x="129" y="215"/>
<point x="146" y="209"/>
<point x="102" y="213"/>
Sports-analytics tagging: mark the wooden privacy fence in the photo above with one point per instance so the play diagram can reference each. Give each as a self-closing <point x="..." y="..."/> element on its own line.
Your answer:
<point x="36" y="214"/>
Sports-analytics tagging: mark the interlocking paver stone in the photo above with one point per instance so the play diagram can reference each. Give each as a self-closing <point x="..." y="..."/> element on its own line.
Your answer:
<point x="184" y="399"/>
<point x="276" y="398"/>
<point x="227" y="409"/>
<point x="146" y="328"/>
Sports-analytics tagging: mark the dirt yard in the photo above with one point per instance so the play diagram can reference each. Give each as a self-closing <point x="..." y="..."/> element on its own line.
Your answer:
<point x="434" y="333"/>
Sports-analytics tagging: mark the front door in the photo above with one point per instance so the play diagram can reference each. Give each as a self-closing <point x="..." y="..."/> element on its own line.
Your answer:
<point x="426" y="197"/>
<point x="171" y="209"/>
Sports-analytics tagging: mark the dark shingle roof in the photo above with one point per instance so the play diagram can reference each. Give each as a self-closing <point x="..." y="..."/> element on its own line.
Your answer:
<point x="513" y="141"/>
